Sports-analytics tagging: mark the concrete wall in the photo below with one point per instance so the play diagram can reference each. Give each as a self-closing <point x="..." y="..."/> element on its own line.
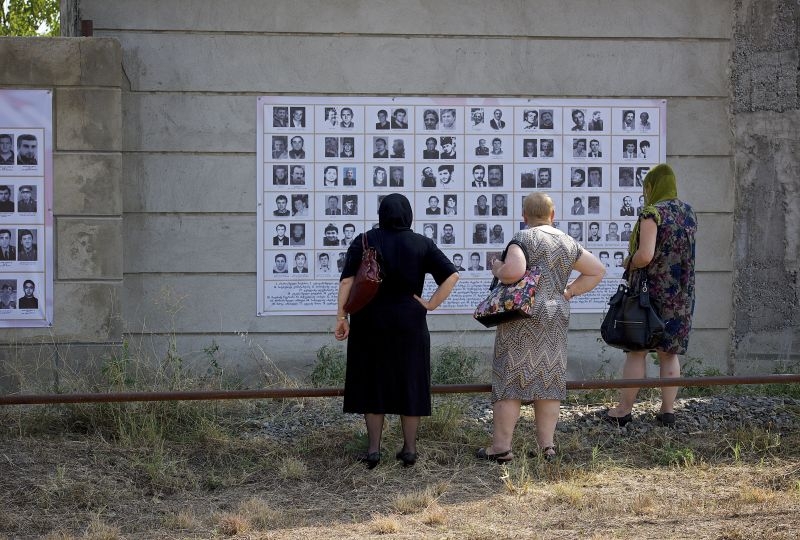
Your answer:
<point x="188" y="153"/>
<point x="85" y="76"/>
<point x="766" y="119"/>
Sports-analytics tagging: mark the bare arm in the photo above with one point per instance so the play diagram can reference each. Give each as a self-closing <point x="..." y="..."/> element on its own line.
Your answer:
<point x="648" y="230"/>
<point x="342" y="324"/>
<point x="592" y="271"/>
<point x="513" y="268"/>
<point x="441" y="293"/>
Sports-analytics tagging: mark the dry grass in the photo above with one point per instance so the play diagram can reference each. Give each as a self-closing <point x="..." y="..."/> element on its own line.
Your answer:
<point x="384" y="525"/>
<point x="244" y="484"/>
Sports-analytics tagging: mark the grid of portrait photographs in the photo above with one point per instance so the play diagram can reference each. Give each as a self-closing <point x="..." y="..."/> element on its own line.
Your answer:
<point x="22" y="224"/>
<point x="465" y="167"/>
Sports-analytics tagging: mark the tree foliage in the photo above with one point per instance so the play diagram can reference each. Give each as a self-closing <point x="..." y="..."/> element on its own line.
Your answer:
<point x="29" y="18"/>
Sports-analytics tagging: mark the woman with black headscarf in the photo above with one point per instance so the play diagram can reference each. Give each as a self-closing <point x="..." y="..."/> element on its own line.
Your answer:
<point x="388" y="351"/>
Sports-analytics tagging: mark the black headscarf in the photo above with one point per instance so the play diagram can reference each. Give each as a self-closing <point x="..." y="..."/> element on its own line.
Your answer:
<point x="394" y="213"/>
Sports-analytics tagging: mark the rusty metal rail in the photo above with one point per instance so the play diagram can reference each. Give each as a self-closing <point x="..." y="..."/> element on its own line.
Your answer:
<point x="283" y="393"/>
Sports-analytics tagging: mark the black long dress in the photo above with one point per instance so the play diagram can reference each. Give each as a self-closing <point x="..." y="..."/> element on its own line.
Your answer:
<point x="388" y="350"/>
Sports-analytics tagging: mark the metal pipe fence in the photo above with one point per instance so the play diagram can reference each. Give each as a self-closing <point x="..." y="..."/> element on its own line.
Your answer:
<point x="284" y="393"/>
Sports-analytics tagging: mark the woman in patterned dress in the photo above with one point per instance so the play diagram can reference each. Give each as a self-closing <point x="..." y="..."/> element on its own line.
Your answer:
<point x="530" y="355"/>
<point x="663" y="242"/>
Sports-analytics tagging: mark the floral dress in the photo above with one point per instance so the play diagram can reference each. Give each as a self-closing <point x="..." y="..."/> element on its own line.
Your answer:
<point x="670" y="275"/>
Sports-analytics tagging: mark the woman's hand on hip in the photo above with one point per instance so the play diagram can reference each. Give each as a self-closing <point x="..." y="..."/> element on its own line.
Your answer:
<point x="425" y="303"/>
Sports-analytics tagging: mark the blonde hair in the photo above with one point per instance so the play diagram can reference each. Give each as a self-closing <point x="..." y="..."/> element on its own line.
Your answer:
<point x="538" y="207"/>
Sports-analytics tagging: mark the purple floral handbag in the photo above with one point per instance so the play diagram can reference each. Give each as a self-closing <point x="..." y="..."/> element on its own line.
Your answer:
<point x="509" y="302"/>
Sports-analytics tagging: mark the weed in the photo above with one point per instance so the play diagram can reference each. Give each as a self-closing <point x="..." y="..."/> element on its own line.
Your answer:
<point x="414" y="502"/>
<point x="259" y="513"/>
<point x="445" y="422"/>
<point x="329" y="368"/>
<point x="669" y="455"/>
<point x="755" y="495"/>
<point x="692" y="366"/>
<point x="231" y="524"/>
<point x="454" y="364"/>
<point x="183" y="520"/>
<point x="517" y="477"/>
<point x="752" y="440"/>
<point x="434" y="515"/>
<point x="99" y="530"/>
<point x="642" y="504"/>
<point x="292" y="468"/>
<point x="568" y="494"/>
<point x="384" y="525"/>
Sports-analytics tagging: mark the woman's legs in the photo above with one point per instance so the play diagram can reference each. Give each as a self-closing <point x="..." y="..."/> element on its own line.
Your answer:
<point x="546" y="411"/>
<point x="410" y="425"/>
<point x="670" y="368"/>
<point x="374" y="431"/>
<point x="634" y="368"/>
<point x="506" y="414"/>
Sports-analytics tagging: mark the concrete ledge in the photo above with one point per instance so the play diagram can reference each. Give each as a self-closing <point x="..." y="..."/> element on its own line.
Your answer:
<point x="193" y="182"/>
<point x="87" y="312"/>
<point x="706" y="183"/>
<point x="87" y="184"/>
<point x="170" y="243"/>
<point x="677" y="18"/>
<point x="423" y="64"/>
<point x="89" y="248"/>
<point x="714" y="243"/>
<point x="88" y="119"/>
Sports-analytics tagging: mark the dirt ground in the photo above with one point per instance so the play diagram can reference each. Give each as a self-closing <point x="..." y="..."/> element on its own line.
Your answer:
<point x="738" y="484"/>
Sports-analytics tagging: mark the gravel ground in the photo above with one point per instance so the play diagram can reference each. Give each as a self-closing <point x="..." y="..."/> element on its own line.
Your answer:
<point x="694" y="415"/>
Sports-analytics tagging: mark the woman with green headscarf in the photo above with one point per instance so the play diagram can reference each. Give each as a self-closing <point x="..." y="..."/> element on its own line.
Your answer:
<point x="663" y="243"/>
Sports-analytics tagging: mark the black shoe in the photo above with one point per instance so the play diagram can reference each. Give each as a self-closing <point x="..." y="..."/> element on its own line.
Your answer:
<point x="666" y="419"/>
<point x="408" y="458"/>
<point x="500" y="457"/>
<point x="616" y="420"/>
<point x="370" y="458"/>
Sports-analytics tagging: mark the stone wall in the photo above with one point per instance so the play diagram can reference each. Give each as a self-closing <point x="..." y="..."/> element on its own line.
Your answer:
<point x="85" y="76"/>
<point x="766" y="120"/>
<point x="155" y="121"/>
<point x="189" y="136"/>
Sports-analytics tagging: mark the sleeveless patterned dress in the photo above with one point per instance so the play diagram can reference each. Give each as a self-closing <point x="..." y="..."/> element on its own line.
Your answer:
<point x="670" y="275"/>
<point x="530" y="355"/>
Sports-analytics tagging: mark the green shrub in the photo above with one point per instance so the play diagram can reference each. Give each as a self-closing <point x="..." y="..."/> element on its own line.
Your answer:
<point x="454" y="365"/>
<point x="329" y="368"/>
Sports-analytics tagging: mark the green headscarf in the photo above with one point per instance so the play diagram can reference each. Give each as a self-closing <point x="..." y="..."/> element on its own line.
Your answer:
<point x="659" y="185"/>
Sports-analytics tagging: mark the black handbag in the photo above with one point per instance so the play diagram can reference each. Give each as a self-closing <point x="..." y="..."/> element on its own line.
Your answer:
<point x="632" y="321"/>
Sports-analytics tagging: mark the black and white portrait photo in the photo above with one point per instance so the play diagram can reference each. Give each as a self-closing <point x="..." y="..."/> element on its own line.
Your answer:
<point x="280" y="175"/>
<point x="279" y="147"/>
<point x="297" y="117"/>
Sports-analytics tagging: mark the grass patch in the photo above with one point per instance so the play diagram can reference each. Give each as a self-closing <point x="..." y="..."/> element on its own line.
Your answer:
<point x="454" y="364"/>
<point x="329" y="368"/>
<point x="384" y="525"/>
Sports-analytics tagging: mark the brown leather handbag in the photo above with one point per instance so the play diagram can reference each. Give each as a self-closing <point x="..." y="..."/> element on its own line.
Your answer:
<point x="366" y="281"/>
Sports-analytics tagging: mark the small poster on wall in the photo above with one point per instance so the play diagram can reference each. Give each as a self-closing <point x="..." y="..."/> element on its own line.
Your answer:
<point x="26" y="216"/>
<point x="465" y="164"/>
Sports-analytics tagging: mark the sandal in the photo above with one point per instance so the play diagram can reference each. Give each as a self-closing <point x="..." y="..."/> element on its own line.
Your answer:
<point x="500" y="457"/>
<point x="370" y="458"/>
<point x="543" y="452"/>
<point x="408" y="458"/>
